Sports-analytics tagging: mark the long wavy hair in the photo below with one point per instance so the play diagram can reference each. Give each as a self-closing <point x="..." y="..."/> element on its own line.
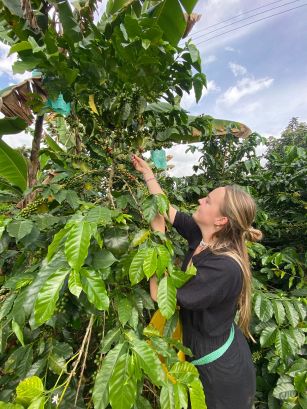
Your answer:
<point x="240" y="209"/>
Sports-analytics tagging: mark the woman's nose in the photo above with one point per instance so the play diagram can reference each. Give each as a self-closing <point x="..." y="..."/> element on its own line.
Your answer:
<point x="199" y="201"/>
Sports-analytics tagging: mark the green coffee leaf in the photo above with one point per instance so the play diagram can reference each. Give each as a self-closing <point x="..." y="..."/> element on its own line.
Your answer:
<point x="111" y="337"/>
<point x="140" y="237"/>
<point x="101" y="386"/>
<point x="268" y="335"/>
<point x="168" y="396"/>
<point x="279" y="311"/>
<point x="18" y="332"/>
<point x="54" y="245"/>
<point x="19" y="229"/>
<point x="292" y="314"/>
<point x="197" y="396"/>
<point x="136" y="273"/>
<point x="149" y="361"/>
<point x="150" y="262"/>
<point x="124" y="310"/>
<point x="263" y="307"/>
<point x="116" y="240"/>
<point x="74" y="283"/>
<point x="285" y="344"/>
<point x="184" y="372"/>
<point x="284" y="388"/>
<point x="77" y="244"/>
<point x="123" y="383"/>
<point x="48" y="296"/>
<point x="162" y="203"/>
<point x="94" y="287"/>
<point x="167" y="297"/>
<point x="29" y="389"/>
<point x="164" y="259"/>
<point x="38" y="403"/>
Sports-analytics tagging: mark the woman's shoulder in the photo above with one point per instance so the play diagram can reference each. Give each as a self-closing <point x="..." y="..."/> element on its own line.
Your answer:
<point x="221" y="262"/>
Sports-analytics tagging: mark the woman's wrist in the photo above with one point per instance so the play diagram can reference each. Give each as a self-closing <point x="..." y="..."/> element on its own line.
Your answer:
<point x="148" y="175"/>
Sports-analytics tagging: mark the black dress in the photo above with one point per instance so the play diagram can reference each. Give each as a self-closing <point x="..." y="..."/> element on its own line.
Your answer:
<point x="207" y="310"/>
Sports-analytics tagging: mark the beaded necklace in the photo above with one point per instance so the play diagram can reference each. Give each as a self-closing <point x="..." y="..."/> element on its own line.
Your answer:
<point x="202" y="245"/>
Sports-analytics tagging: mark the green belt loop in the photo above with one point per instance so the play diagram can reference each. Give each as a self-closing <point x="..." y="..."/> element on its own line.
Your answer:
<point x="206" y="359"/>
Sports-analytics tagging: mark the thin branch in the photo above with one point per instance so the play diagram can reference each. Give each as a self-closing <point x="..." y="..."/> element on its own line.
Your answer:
<point x="34" y="157"/>
<point x="102" y="338"/>
<point x="110" y="185"/>
<point x="130" y="191"/>
<point x="75" y="365"/>
<point x="83" y="364"/>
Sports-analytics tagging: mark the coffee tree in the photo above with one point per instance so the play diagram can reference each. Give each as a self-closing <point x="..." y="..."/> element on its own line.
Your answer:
<point x="76" y="249"/>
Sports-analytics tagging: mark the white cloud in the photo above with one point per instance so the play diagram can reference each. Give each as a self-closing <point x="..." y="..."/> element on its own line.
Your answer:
<point x="249" y="108"/>
<point x="269" y="112"/>
<point x="230" y="49"/>
<point x="188" y="100"/>
<point x="208" y="60"/>
<point x="183" y="162"/>
<point x="237" y="69"/>
<point x="18" y="140"/>
<point x="6" y="64"/>
<point x="101" y="6"/>
<point x="211" y="86"/>
<point x="245" y="86"/>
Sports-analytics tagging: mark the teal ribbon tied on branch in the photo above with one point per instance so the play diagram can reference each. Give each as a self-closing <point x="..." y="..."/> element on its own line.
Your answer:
<point x="59" y="105"/>
<point x="158" y="156"/>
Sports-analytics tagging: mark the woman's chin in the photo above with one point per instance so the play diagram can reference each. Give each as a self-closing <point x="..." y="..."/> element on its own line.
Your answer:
<point x="194" y="215"/>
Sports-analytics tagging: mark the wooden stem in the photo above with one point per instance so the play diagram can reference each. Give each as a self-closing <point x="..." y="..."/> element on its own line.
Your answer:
<point x="34" y="157"/>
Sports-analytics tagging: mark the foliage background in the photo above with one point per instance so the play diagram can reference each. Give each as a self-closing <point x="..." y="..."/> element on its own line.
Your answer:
<point x="76" y="251"/>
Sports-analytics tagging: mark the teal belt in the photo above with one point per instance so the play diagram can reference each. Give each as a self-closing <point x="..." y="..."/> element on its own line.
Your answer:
<point x="206" y="359"/>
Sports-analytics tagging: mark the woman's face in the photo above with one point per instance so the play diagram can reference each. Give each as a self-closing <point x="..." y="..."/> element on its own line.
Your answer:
<point x="207" y="213"/>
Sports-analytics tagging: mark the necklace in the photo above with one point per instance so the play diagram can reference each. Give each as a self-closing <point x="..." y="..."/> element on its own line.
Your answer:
<point x="203" y="244"/>
<point x="197" y="251"/>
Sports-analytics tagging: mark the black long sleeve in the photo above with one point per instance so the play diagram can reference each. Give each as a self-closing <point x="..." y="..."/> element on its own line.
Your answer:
<point x="187" y="228"/>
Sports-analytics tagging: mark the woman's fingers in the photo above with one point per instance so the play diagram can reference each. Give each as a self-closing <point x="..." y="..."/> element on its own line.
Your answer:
<point x="135" y="158"/>
<point x="139" y="163"/>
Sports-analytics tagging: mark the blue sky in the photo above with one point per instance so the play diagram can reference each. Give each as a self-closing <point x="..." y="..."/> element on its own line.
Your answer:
<point x="256" y="75"/>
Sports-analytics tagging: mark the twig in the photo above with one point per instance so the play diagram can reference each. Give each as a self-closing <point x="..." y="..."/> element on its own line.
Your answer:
<point x="151" y="390"/>
<point x="104" y="322"/>
<point x="73" y="371"/>
<point x="110" y="184"/>
<point x="83" y="364"/>
<point x="34" y="158"/>
<point x="133" y="197"/>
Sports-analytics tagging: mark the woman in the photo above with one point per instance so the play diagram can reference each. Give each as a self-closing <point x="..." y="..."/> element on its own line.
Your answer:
<point x="216" y="234"/>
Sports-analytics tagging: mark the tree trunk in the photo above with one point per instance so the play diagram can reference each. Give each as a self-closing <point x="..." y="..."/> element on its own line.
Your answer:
<point x="34" y="160"/>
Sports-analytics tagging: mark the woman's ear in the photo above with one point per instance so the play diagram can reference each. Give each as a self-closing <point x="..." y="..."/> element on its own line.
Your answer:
<point x="222" y="221"/>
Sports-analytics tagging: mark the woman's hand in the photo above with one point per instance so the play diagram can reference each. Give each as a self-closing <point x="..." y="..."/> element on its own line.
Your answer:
<point x="141" y="165"/>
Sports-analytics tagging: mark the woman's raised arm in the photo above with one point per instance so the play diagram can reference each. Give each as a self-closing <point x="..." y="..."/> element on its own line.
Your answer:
<point x="153" y="186"/>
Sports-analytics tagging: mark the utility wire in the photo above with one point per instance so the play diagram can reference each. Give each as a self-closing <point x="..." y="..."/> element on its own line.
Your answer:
<point x="245" y="25"/>
<point x="243" y="19"/>
<point x="239" y="15"/>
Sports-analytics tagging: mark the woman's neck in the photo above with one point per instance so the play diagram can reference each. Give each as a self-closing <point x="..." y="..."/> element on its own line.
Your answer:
<point x="207" y="236"/>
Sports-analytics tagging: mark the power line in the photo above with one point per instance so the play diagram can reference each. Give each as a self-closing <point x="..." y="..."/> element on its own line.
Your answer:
<point x="245" y="25"/>
<point x="243" y="19"/>
<point x="241" y="14"/>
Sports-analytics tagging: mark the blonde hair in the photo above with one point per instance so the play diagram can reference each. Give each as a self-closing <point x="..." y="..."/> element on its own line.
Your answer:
<point x="240" y="209"/>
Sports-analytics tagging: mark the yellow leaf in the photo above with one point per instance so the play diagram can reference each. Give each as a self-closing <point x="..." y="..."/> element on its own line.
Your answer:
<point x="92" y="105"/>
<point x="170" y="377"/>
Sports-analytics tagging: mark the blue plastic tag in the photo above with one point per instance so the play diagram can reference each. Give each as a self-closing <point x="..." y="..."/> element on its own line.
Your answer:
<point x="59" y="105"/>
<point x="158" y="156"/>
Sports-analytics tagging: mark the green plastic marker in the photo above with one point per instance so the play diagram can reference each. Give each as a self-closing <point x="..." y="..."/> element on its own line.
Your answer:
<point x="158" y="156"/>
<point x="59" y="105"/>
